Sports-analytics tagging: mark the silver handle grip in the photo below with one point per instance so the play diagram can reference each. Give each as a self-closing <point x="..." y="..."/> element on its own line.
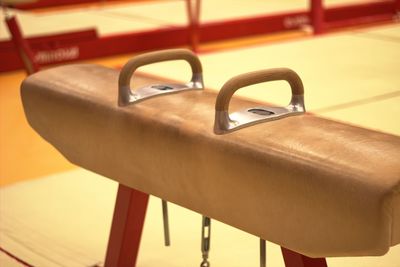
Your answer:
<point x="225" y="122"/>
<point x="125" y="94"/>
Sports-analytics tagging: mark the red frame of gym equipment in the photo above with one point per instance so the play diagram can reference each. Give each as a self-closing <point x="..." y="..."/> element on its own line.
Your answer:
<point x="127" y="225"/>
<point x="79" y="46"/>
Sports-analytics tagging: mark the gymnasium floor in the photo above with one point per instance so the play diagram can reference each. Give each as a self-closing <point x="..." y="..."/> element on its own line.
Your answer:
<point x="54" y="214"/>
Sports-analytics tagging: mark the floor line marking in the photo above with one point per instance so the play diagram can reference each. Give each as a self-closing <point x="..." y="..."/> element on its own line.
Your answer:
<point x="358" y="102"/>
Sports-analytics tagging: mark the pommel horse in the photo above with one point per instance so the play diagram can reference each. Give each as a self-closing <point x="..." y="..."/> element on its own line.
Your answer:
<point x="316" y="187"/>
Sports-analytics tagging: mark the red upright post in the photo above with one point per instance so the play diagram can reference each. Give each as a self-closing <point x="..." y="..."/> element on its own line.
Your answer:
<point x="193" y="12"/>
<point x="127" y="225"/>
<point x="397" y="4"/>
<point x="294" y="259"/>
<point x="22" y="45"/>
<point x="317" y="16"/>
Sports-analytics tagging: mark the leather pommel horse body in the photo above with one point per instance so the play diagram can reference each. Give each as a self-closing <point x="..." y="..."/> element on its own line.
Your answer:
<point x="312" y="185"/>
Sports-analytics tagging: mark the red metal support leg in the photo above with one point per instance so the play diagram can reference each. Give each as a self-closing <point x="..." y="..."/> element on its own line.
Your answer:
<point x="317" y="16"/>
<point x="294" y="259"/>
<point x="127" y="225"/>
<point x="21" y="45"/>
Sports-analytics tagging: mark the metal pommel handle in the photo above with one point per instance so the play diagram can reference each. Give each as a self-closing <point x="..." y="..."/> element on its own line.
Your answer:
<point x="225" y="122"/>
<point x="127" y="96"/>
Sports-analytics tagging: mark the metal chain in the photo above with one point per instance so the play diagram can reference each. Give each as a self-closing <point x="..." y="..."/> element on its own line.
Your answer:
<point x="205" y="241"/>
